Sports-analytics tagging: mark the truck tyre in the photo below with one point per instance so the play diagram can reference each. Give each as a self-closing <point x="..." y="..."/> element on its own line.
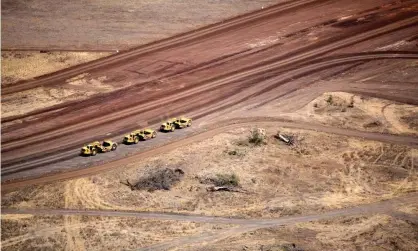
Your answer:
<point x="93" y="152"/>
<point x="136" y="140"/>
<point x="114" y="146"/>
<point x="173" y="128"/>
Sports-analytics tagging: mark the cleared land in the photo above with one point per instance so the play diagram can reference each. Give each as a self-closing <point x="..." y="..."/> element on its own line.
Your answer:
<point x="21" y="65"/>
<point x="344" y="233"/>
<point x="108" y="24"/>
<point x="102" y="25"/>
<point x="350" y="72"/>
<point x="29" y="232"/>
<point x="320" y="172"/>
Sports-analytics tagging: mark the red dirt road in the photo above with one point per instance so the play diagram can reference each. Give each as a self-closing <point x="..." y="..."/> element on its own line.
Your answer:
<point x="208" y="70"/>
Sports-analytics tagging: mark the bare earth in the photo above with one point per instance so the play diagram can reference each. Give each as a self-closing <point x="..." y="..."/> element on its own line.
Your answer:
<point x="342" y="83"/>
<point x="21" y="65"/>
<point x="109" y="25"/>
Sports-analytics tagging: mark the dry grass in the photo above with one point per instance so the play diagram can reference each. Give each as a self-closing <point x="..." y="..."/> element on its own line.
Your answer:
<point x="77" y="88"/>
<point x="32" y="233"/>
<point x="357" y="112"/>
<point x="408" y="209"/>
<point x="375" y="233"/>
<point x="93" y="233"/>
<point x="359" y="233"/>
<point x="20" y="65"/>
<point x="42" y="196"/>
<point x="320" y="171"/>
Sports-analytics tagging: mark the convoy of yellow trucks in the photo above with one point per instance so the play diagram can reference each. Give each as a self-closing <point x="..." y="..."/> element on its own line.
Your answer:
<point x="134" y="137"/>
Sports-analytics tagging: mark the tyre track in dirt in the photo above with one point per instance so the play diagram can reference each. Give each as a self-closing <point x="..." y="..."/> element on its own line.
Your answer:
<point x="242" y="82"/>
<point x="7" y="138"/>
<point x="238" y="96"/>
<point x="209" y="132"/>
<point x="244" y="225"/>
<point x="376" y="207"/>
<point x="9" y="142"/>
<point x="192" y="36"/>
<point x="71" y="106"/>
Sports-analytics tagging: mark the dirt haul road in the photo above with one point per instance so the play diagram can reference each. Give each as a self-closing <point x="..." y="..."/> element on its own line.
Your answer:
<point x="228" y="125"/>
<point x="226" y="33"/>
<point x="377" y="207"/>
<point x="245" y="225"/>
<point x="203" y="74"/>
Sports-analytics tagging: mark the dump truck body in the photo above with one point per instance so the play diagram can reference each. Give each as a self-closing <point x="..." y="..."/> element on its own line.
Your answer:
<point x="183" y="122"/>
<point x="136" y="136"/>
<point x="168" y="126"/>
<point x="97" y="147"/>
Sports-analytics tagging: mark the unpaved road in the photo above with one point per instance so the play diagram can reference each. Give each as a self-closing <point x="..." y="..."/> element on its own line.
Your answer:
<point x="60" y="153"/>
<point x="207" y="71"/>
<point x="225" y="66"/>
<point x="208" y="132"/>
<point x="226" y="34"/>
<point x="245" y="225"/>
<point x="378" y="207"/>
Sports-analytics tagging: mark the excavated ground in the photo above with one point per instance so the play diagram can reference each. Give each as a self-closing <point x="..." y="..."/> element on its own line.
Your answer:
<point x="343" y="83"/>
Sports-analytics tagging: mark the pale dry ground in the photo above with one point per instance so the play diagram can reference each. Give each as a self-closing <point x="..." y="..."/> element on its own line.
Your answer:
<point x="76" y="88"/>
<point x="366" y="113"/>
<point x="21" y="65"/>
<point x="372" y="233"/>
<point x="321" y="172"/>
<point x="92" y="233"/>
<point x="29" y="65"/>
<point x="109" y="24"/>
<point x="408" y="209"/>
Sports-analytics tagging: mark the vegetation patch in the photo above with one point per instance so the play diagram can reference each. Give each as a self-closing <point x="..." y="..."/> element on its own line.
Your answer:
<point x="160" y="179"/>
<point x="221" y="180"/>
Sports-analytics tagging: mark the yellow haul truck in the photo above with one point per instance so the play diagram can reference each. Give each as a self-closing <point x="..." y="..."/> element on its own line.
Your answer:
<point x="168" y="126"/>
<point x="136" y="136"/>
<point x="183" y="122"/>
<point x="96" y="147"/>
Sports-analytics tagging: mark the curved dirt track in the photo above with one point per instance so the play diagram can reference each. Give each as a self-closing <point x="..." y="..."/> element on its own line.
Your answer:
<point x="214" y="84"/>
<point x="244" y="225"/>
<point x="247" y="21"/>
<point x="203" y="88"/>
<point x="192" y="36"/>
<point x="70" y="150"/>
<point x="377" y="207"/>
<point x="397" y="139"/>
